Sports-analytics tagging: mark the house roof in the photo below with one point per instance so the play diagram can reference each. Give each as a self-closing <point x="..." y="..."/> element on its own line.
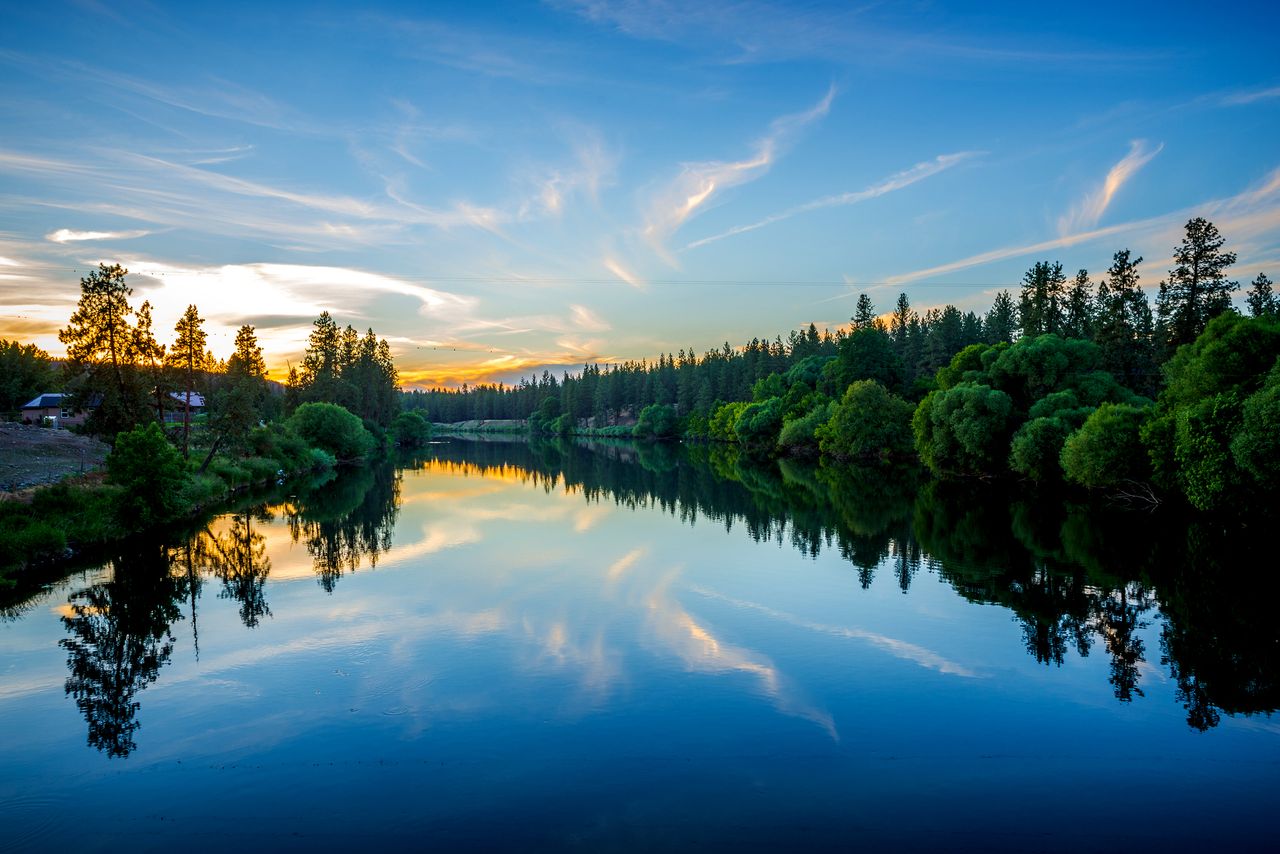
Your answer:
<point x="197" y="399"/>
<point x="46" y="401"/>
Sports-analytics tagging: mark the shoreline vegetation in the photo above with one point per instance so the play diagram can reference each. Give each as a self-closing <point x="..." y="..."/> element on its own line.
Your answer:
<point x="1070" y="386"/>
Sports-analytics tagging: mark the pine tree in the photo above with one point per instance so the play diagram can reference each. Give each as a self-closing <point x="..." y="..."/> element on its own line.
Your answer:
<point x="1197" y="289"/>
<point x="1001" y="322"/>
<point x="864" y="316"/>
<point x="1124" y="328"/>
<point x="1078" y="322"/>
<point x="148" y="353"/>
<point x="187" y="355"/>
<point x="1262" y="298"/>
<point x="1040" y="305"/>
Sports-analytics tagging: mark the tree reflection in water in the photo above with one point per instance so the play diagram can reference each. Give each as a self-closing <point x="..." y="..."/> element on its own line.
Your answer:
<point x="238" y="557"/>
<point x="347" y="521"/>
<point x="119" y="640"/>
<point x="1076" y="578"/>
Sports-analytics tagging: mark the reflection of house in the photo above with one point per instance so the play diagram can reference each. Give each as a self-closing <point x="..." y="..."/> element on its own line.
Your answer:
<point x="176" y="406"/>
<point x="54" y="409"/>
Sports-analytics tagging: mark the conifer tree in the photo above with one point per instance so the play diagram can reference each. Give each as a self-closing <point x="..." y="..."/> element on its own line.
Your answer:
<point x="187" y="355"/>
<point x="1262" y="298"/>
<point x="1078" y="322"/>
<point x="1002" y="321"/>
<point x="98" y="338"/>
<point x="148" y="354"/>
<point x="1197" y="289"/>
<point x="1124" y="330"/>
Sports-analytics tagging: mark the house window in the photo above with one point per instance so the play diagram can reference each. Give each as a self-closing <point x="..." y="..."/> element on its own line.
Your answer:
<point x="66" y="413"/>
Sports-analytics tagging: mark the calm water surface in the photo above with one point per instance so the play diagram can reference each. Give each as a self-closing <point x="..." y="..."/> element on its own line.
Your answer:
<point x="552" y="646"/>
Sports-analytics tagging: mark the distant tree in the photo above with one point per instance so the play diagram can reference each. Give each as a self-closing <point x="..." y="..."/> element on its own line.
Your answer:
<point x="864" y="316"/>
<point x="1002" y="320"/>
<point x="1197" y="289"/>
<point x="1123" y="327"/>
<point x="900" y="323"/>
<point x="25" y="371"/>
<point x="1043" y="299"/>
<point x="1078" y="321"/>
<point x="187" y="357"/>
<point x="657" y="421"/>
<point x="964" y="430"/>
<point x="98" y="339"/>
<point x="1262" y="298"/>
<point x="317" y="380"/>
<point x="148" y="354"/>
<point x="241" y="401"/>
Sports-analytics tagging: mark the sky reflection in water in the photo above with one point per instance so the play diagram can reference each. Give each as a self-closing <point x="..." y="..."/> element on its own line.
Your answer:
<point x="548" y="646"/>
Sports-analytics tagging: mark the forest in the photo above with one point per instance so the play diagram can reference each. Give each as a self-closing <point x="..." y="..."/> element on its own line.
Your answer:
<point x="1067" y="382"/>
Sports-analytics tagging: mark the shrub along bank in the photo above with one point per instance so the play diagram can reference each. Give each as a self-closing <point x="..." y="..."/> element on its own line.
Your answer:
<point x="149" y="484"/>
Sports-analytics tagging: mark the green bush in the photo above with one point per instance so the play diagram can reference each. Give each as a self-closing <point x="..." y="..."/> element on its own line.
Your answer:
<point x="1107" y="450"/>
<point x="151" y="473"/>
<point x="331" y="428"/>
<point x="657" y="421"/>
<point x="1256" y="446"/>
<point x="758" y="423"/>
<point x="964" y="430"/>
<point x="723" y="419"/>
<point x="868" y="424"/>
<point x="799" y="435"/>
<point x="1036" y="447"/>
<point x="411" y="430"/>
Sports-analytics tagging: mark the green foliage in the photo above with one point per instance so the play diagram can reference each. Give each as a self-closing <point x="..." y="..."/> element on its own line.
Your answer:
<point x="1200" y="416"/>
<point x="758" y="424"/>
<point x="331" y="428"/>
<point x="25" y="371"/>
<point x="799" y="434"/>
<point x="868" y="424"/>
<point x="411" y="430"/>
<point x="151" y="473"/>
<point x="1036" y="447"/>
<point x="721" y="426"/>
<point x="1256" y="446"/>
<point x="965" y="365"/>
<point x="865" y="354"/>
<point x="964" y="430"/>
<point x="657" y="421"/>
<point x="1035" y="367"/>
<point x="1107" y="450"/>
<point x="541" y="421"/>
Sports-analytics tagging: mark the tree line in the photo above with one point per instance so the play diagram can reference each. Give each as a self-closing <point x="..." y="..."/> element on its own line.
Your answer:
<point x="1066" y="380"/>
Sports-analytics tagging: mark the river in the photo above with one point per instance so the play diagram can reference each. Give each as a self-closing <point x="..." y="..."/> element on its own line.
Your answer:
<point x="547" y="646"/>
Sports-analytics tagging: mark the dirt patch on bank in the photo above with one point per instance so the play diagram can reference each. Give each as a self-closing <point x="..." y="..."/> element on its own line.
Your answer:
<point x="35" y="456"/>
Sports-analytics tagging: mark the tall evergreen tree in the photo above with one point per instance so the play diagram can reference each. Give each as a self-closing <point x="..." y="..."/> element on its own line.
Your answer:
<point x="148" y="354"/>
<point x="98" y="338"/>
<point x="900" y="323"/>
<point x="1124" y="329"/>
<point x="1262" y="298"/>
<point x="1042" y="300"/>
<point x="1002" y="320"/>
<point x="1197" y="289"/>
<point x="1078" y="322"/>
<point x="864" y="316"/>
<point x="187" y="356"/>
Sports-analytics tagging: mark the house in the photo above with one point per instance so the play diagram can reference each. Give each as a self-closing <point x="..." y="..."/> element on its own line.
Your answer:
<point x="55" y="410"/>
<point x="176" y="406"/>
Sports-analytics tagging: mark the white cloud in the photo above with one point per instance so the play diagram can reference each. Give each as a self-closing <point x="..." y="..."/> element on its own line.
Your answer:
<point x="1086" y="214"/>
<point x="894" y="182"/>
<point x="67" y="235"/>
<point x="698" y="182"/>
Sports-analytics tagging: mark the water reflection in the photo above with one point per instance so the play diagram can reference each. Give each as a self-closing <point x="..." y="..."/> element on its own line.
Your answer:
<point x="1078" y="580"/>
<point x="119" y="639"/>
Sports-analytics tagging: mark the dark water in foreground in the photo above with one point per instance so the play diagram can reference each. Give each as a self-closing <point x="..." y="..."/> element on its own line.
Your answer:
<point x="614" y="648"/>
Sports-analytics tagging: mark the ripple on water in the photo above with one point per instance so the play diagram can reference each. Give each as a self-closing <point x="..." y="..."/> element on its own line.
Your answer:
<point x="28" y="820"/>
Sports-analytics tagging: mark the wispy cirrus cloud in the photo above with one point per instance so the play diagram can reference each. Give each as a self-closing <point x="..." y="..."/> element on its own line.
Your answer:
<point x="1249" y="96"/>
<point x="67" y="235"/>
<point x="697" y="183"/>
<point x="1089" y="210"/>
<point x="894" y="182"/>
<point x="1252" y="215"/>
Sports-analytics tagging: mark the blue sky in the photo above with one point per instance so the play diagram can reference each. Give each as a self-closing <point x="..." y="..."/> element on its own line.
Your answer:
<point x="499" y="188"/>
